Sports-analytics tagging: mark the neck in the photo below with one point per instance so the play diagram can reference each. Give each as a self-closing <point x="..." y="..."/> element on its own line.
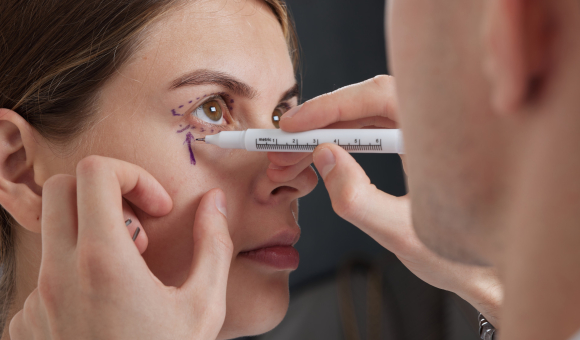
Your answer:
<point x="541" y="266"/>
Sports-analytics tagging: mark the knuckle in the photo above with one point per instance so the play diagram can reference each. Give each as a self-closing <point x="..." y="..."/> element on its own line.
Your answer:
<point x="383" y="81"/>
<point x="17" y="327"/>
<point x="347" y="204"/>
<point x="48" y="290"/>
<point x="90" y="165"/>
<point x="31" y="309"/>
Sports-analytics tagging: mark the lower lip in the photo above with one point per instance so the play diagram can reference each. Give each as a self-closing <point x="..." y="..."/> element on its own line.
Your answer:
<point x="279" y="257"/>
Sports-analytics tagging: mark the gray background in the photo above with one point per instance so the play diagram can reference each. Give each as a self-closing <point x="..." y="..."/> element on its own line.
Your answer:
<point x="342" y="43"/>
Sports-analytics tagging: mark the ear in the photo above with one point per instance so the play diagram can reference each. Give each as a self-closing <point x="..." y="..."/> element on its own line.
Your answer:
<point x="517" y="44"/>
<point x="19" y="193"/>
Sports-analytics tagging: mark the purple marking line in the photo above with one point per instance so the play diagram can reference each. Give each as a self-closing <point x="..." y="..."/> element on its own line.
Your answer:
<point x="175" y="113"/>
<point x="181" y="106"/>
<point x="202" y="130"/>
<point x="185" y="128"/>
<point x="232" y="101"/>
<point x="230" y="108"/>
<point x="191" y="101"/>
<point x="188" y="140"/>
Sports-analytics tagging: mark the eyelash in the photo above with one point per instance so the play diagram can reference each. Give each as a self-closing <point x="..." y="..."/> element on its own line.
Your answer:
<point x="220" y="98"/>
<point x="226" y="114"/>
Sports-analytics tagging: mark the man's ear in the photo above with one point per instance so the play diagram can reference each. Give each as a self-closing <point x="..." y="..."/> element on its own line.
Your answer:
<point x="19" y="193"/>
<point x="517" y="46"/>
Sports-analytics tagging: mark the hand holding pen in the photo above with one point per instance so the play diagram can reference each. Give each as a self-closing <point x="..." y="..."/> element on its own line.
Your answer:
<point x="387" y="219"/>
<point x="93" y="283"/>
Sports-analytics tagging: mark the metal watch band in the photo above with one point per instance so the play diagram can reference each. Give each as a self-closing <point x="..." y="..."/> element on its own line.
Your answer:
<point x="486" y="329"/>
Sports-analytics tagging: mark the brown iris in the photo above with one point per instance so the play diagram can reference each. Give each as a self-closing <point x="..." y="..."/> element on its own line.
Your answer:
<point x="213" y="110"/>
<point x="276" y="116"/>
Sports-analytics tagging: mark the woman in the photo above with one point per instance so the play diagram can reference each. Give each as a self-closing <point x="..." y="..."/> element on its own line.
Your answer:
<point x="137" y="81"/>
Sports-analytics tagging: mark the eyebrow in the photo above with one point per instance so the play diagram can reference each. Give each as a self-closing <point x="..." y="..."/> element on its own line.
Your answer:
<point x="294" y="91"/>
<point x="205" y="77"/>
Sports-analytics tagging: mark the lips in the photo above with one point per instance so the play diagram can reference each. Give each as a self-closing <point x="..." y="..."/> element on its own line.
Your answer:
<point x="278" y="252"/>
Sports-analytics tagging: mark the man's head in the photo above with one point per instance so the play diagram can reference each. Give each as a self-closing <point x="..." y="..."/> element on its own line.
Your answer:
<point x="474" y="79"/>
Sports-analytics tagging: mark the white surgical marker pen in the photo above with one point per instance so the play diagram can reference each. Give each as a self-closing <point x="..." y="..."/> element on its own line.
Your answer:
<point x="275" y="140"/>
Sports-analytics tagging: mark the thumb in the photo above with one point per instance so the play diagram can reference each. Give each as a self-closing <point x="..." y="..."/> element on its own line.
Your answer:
<point x="383" y="217"/>
<point x="212" y="254"/>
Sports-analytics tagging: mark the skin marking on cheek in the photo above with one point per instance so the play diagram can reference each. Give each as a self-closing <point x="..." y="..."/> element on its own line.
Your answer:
<point x="188" y="138"/>
<point x="181" y="106"/>
<point x="185" y="128"/>
<point x="202" y="130"/>
<point x="175" y="113"/>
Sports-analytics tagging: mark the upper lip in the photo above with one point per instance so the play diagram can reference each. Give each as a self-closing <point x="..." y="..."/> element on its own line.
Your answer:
<point x="284" y="238"/>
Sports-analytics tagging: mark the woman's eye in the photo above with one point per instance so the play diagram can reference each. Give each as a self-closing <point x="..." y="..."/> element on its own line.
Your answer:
<point x="210" y="112"/>
<point x="276" y="116"/>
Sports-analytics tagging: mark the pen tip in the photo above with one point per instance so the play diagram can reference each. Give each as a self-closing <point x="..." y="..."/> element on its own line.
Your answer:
<point x="200" y="139"/>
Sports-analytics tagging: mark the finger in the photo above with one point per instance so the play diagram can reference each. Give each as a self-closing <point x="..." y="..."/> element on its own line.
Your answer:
<point x="365" y="123"/>
<point x="17" y="328"/>
<point x="286" y="174"/>
<point x="59" y="217"/>
<point x="372" y="98"/>
<point x="212" y="251"/>
<point x="101" y="184"/>
<point x="283" y="159"/>
<point x="382" y="216"/>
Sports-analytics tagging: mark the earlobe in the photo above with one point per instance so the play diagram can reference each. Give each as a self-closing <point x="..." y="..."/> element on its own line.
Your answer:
<point x="515" y="51"/>
<point x="19" y="193"/>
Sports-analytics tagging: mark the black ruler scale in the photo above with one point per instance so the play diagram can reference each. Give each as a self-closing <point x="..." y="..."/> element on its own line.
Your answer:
<point x="295" y="145"/>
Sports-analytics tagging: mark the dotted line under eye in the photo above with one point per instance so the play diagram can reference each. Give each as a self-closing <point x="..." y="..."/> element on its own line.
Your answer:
<point x="189" y="138"/>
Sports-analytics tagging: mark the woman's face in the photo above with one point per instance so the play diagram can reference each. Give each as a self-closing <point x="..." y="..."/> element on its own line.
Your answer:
<point x="206" y="67"/>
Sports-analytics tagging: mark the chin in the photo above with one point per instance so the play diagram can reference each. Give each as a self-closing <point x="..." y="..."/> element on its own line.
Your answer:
<point x="256" y="303"/>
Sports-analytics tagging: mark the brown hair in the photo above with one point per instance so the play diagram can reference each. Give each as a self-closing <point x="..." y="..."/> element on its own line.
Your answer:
<point x="54" y="57"/>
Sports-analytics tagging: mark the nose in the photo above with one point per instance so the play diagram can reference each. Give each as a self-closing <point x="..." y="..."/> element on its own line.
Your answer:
<point x="293" y="187"/>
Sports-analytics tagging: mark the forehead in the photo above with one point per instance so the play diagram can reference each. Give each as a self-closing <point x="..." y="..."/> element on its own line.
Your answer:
<point x="243" y="39"/>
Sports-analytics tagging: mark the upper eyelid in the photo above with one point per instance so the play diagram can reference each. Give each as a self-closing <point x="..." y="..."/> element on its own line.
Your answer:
<point x="202" y="101"/>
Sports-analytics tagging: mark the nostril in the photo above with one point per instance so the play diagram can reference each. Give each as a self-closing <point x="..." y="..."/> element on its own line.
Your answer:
<point x="283" y="189"/>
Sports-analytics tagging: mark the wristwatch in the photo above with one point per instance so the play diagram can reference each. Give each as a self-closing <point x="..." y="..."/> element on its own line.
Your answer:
<point x="486" y="329"/>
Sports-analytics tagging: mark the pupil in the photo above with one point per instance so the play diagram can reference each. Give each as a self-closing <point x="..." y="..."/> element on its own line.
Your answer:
<point x="212" y="110"/>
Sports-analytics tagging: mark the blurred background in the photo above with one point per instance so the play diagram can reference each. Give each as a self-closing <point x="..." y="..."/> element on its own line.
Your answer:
<point x="347" y="286"/>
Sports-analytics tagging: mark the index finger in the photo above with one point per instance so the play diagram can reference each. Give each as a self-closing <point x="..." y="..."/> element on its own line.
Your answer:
<point x="101" y="184"/>
<point x="375" y="97"/>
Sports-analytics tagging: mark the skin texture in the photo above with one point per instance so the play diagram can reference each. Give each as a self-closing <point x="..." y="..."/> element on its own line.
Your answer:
<point x="136" y="123"/>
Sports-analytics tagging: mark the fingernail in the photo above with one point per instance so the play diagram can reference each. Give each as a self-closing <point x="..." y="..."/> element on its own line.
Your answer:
<point x="128" y="221"/>
<point x="291" y="112"/>
<point x="325" y="162"/>
<point x="276" y="167"/>
<point x="220" y="202"/>
<point x="136" y="233"/>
